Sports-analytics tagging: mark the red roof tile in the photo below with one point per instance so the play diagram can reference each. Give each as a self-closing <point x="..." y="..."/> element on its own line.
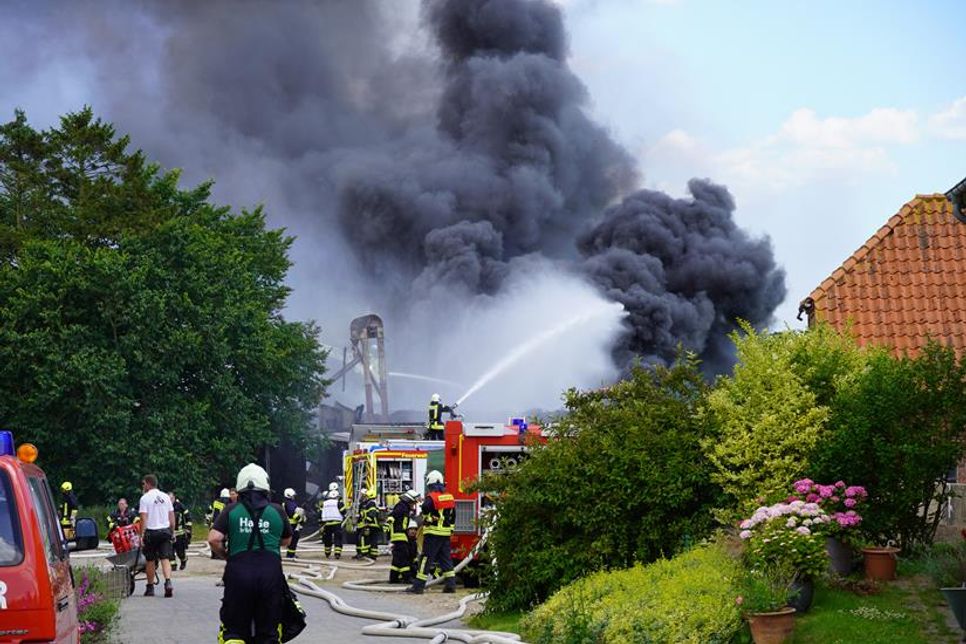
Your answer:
<point x="907" y="283"/>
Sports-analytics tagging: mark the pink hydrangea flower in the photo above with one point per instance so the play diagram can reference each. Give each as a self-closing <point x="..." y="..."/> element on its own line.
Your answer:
<point x="850" y="503"/>
<point x="745" y="534"/>
<point x="803" y="530"/>
<point x="840" y="484"/>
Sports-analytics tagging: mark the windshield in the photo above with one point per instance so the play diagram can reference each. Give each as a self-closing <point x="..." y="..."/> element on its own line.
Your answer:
<point x="11" y="544"/>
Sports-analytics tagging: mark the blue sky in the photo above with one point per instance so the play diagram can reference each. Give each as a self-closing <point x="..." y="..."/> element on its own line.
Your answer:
<point x="823" y="118"/>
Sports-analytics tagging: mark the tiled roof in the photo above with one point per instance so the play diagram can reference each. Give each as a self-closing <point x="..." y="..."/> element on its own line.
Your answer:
<point x="907" y="283"/>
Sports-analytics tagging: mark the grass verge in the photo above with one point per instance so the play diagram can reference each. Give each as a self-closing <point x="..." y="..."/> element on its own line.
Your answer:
<point x="509" y="622"/>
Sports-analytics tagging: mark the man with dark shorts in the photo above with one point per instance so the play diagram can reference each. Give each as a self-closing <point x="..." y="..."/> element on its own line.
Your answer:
<point x="157" y="533"/>
<point x="249" y="534"/>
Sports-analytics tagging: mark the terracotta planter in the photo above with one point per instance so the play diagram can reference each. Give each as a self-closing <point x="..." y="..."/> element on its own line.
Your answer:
<point x="880" y="563"/>
<point x="771" y="628"/>
<point x="839" y="555"/>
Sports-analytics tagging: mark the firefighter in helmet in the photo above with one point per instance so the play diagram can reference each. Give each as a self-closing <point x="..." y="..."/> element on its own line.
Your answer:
<point x="367" y="525"/>
<point x="68" y="509"/>
<point x="332" y="514"/>
<point x="439" y="515"/>
<point x="435" y="425"/>
<point x="296" y="517"/>
<point x="217" y="506"/>
<point x="400" y="570"/>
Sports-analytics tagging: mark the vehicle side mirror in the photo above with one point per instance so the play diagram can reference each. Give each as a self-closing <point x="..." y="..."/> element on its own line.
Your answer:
<point x="85" y="535"/>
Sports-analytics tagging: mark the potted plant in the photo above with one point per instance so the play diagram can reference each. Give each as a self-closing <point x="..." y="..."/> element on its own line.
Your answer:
<point x="789" y="534"/>
<point x="946" y="565"/>
<point x="880" y="562"/>
<point x="765" y="592"/>
<point x="842" y="503"/>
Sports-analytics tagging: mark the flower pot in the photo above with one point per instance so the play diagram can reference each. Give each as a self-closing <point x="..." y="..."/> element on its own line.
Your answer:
<point x="771" y="628"/>
<point x="840" y="555"/>
<point x="880" y="563"/>
<point x="957" y="603"/>
<point x="804" y="590"/>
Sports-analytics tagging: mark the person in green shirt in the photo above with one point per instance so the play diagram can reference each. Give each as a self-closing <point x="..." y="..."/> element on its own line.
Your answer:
<point x="249" y="534"/>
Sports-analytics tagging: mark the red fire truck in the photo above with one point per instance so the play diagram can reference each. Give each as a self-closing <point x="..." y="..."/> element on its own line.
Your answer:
<point x="471" y="449"/>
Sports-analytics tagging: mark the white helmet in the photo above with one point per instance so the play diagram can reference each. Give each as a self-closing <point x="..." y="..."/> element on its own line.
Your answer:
<point x="223" y="493"/>
<point x="435" y="398"/>
<point x="333" y="486"/>
<point x="252" y="477"/>
<point x="289" y="493"/>
<point x="435" y="477"/>
<point x="411" y="495"/>
<point x="333" y="494"/>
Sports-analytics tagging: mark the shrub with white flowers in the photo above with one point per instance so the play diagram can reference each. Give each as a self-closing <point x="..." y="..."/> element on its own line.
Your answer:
<point x="790" y="533"/>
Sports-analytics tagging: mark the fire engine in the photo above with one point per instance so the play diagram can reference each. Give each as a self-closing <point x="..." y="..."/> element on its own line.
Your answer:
<point x="392" y="459"/>
<point x="37" y="602"/>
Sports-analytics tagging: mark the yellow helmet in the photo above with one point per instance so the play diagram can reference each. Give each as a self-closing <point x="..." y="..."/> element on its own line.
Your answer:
<point x="66" y="486"/>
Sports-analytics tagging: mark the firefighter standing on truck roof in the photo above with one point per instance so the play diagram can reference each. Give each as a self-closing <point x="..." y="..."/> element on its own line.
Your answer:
<point x="296" y="517"/>
<point x="436" y="426"/>
<point x="253" y="575"/>
<point x="439" y="515"/>
<point x="400" y="570"/>
<point x="367" y="525"/>
<point x="68" y="509"/>
<point x="332" y="514"/>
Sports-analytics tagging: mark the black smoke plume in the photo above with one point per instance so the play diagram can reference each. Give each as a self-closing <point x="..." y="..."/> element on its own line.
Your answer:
<point x="413" y="166"/>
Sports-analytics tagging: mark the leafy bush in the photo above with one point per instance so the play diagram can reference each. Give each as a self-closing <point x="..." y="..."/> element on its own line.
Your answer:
<point x="96" y="614"/>
<point x="789" y="534"/>
<point x="690" y="598"/>
<point x="624" y="481"/>
<point x="766" y="588"/>
<point x="946" y="564"/>
<point x="768" y="420"/>
<point x="897" y="427"/>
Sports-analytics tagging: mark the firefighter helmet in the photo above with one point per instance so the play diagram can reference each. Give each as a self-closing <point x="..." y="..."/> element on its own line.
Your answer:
<point x="333" y="494"/>
<point x="252" y="477"/>
<point x="289" y="493"/>
<point x="333" y="486"/>
<point x="435" y="398"/>
<point x="411" y="495"/>
<point x="434" y="478"/>
<point x="223" y="494"/>
<point x="66" y="486"/>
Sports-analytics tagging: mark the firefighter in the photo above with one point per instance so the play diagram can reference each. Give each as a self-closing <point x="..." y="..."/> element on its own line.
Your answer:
<point x="400" y="570"/>
<point x="435" y="425"/>
<point x="182" y="531"/>
<point x="296" y="517"/>
<point x="439" y="515"/>
<point x="120" y="516"/>
<point x="253" y="600"/>
<point x="332" y="514"/>
<point x="367" y="526"/>
<point x="68" y="509"/>
<point x="217" y="506"/>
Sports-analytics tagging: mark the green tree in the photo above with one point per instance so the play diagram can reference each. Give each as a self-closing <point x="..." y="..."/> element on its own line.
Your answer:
<point x="768" y="420"/>
<point x="622" y="480"/>
<point x="897" y="428"/>
<point x="140" y="325"/>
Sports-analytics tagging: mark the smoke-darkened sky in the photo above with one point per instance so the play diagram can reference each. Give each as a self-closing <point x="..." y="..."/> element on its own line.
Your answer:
<point x="437" y="162"/>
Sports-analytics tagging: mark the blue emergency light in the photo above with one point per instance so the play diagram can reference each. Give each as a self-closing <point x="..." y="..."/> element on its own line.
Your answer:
<point x="6" y="443"/>
<point x="520" y="424"/>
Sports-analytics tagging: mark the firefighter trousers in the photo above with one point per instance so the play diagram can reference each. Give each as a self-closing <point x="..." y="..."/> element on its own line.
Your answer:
<point x="252" y="607"/>
<point x="180" y="547"/>
<point x="294" y="544"/>
<point x="401" y="567"/>
<point x="436" y="553"/>
<point x="332" y="534"/>
<point x="365" y="542"/>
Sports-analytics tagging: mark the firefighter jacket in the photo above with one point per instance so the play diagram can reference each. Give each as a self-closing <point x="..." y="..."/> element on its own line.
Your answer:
<point x="439" y="514"/>
<point x="294" y="514"/>
<point x="68" y="509"/>
<point x="182" y="520"/>
<point x="368" y="514"/>
<point x="116" y="520"/>
<point x="398" y="521"/>
<point x="332" y="511"/>
<point x="436" y="410"/>
<point x="215" y="509"/>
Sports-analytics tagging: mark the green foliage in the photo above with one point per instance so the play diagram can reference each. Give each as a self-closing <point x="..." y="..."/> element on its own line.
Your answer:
<point x="140" y="326"/>
<point x="768" y="420"/>
<point x="897" y="427"/>
<point x="766" y="588"/>
<point x="623" y="481"/>
<point x="690" y="598"/>
<point x="776" y="543"/>
<point x="945" y="563"/>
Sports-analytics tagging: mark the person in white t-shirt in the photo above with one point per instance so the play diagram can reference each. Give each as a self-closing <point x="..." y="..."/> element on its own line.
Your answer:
<point x="157" y="532"/>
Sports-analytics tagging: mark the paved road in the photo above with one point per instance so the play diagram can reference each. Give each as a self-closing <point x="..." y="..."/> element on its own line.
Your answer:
<point x="192" y="614"/>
